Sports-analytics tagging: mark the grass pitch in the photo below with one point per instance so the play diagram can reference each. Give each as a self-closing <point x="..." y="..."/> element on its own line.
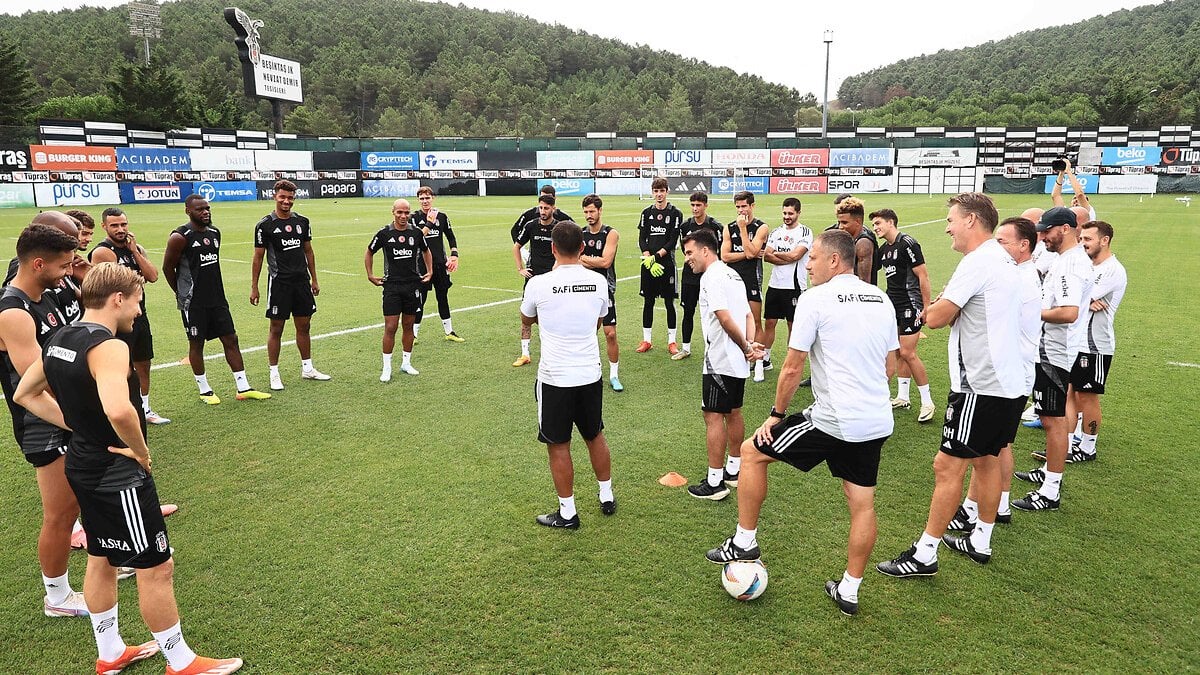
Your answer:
<point x="358" y="527"/>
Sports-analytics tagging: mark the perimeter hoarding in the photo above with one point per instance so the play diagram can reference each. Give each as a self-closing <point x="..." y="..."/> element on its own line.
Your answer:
<point x="569" y="187"/>
<point x="16" y="195"/>
<point x="389" y="161"/>
<point x="73" y="158"/>
<point x="153" y="159"/>
<point x="76" y="194"/>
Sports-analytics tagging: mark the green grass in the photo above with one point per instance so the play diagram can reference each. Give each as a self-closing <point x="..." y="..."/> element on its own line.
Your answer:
<point x="352" y="526"/>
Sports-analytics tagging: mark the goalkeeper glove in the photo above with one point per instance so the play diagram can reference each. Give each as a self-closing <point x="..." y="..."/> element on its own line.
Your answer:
<point x="647" y="261"/>
<point x="656" y="270"/>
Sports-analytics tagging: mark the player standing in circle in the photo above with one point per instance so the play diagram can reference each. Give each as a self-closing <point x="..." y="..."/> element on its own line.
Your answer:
<point x="192" y="265"/>
<point x="570" y="303"/>
<point x="850" y="213"/>
<point x="285" y="238"/>
<point x="729" y="346"/>
<point x="120" y="246"/>
<point x="1066" y="299"/>
<point x="84" y="381"/>
<point x="689" y="281"/>
<point x="982" y="304"/>
<point x="532" y="215"/>
<point x="658" y="233"/>
<point x="540" y="258"/>
<point x="405" y="255"/>
<point x="847" y="327"/>
<point x="743" y="250"/>
<point x="436" y="225"/>
<point x="29" y="317"/>
<point x="787" y="250"/>
<point x="599" y="255"/>
<point x="903" y="265"/>
<point x="87" y="227"/>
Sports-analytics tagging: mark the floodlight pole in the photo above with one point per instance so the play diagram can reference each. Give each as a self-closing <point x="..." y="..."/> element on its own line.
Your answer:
<point x="825" y="105"/>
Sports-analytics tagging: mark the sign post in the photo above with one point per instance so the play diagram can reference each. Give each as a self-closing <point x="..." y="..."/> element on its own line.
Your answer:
<point x="263" y="75"/>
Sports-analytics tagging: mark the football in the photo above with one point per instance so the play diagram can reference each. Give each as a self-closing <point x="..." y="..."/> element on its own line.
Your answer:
<point x="744" y="580"/>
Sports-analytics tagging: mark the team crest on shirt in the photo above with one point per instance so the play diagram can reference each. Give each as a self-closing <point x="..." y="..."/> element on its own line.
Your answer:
<point x="1083" y="362"/>
<point x="288" y="228"/>
<point x="50" y="318"/>
<point x="160" y="542"/>
<point x="207" y="241"/>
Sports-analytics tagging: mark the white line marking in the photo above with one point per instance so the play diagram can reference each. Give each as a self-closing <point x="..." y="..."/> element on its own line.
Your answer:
<point x="927" y="222"/>
<point x="1183" y="365"/>
<point x="488" y="288"/>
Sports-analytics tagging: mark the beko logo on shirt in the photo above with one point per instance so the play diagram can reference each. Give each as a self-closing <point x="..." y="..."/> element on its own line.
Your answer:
<point x="208" y="258"/>
<point x="290" y="243"/>
<point x="576" y="288"/>
<point x="657" y="229"/>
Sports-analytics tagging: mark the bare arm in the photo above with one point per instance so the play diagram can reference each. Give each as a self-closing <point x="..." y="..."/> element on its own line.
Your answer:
<point x="18" y="337"/>
<point x="103" y="254"/>
<point x="255" y="271"/>
<point x="170" y="266"/>
<point x="606" y="258"/>
<point x="311" y="258"/>
<point x="727" y="254"/>
<point x="427" y="256"/>
<point x="1056" y="197"/>
<point x="109" y="363"/>
<point x="923" y="281"/>
<point x="863" y="254"/>
<point x="756" y="243"/>
<point x="890" y="365"/>
<point x="1064" y="314"/>
<point x="1080" y="194"/>
<point x="369" y="264"/>
<point x="520" y="263"/>
<point x="146" y="268"/>
<point x="941" y="313"/>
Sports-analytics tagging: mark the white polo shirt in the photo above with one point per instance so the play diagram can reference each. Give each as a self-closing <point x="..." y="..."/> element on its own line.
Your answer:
<point x="1031" y="319"/>
<point x="1068" y="283"/>
<point x="1109" y="286"/>
<point x="848" y="327"/>
<point x="792" y="276"/>
<point x="567" y="301"/>
<point x="721" y="288"/>
<point x="985" y="340"/>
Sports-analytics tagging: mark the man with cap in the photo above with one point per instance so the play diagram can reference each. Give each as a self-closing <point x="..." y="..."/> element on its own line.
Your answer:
<point x="1066" y="295"/>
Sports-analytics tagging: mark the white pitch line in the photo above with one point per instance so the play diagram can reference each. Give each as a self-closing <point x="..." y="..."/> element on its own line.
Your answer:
<point x="1183" y="365"/>
<point x="927" y="222"/>
<point x="489" y="288"/>
<point x="347" y="331"/>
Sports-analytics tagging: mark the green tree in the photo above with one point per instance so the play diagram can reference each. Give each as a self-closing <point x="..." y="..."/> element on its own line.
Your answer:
<point x="151" y="97"/>
<point x="17" y="87"/>
<point x="97" y="107"/>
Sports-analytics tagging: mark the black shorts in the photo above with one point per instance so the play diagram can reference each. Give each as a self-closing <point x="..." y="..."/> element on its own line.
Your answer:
<point x="752" y="280"/>
<point x="290" y="298"/>
<point x="441" y="278"/>
<point x="977" y="425"/>
<point x="799" y="443"/>
<point x="908" y="319"/>
<point x="1090" y="372"/>
<point x="781" y="303"/>
<point x="140" y="341"/>
<point x="403" y="298"/>
<point x="689" y="295"/>
<point x="721" y="393"/>
<point x="659" y="287"/>
<point x="1050" y="390"/>
<point x="126" y="527"/>
<point x="610" y="319"/>
<point x="42" y="442"/>
<point x="45" y="457"/>
<point x="208" y="323"/>
<point x="560" y="408"/>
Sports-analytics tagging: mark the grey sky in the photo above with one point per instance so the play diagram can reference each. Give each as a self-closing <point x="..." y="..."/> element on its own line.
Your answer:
<point x="778" y="41"/>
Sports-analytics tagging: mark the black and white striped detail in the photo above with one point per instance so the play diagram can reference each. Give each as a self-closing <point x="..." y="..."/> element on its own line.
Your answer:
<point x="966" y="419"/>
<point x="132" y="508"/>
<point x="785" y="440"/>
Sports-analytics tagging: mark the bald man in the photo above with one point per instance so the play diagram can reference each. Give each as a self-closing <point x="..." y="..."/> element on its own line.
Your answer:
<point x="403" y="245"/>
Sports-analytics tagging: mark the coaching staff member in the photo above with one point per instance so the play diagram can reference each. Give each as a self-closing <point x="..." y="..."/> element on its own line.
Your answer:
<point x="849" y="328"/>
<point x="569" y="303"/>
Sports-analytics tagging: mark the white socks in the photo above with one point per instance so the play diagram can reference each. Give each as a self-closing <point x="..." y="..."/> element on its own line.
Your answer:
<point x="109" y="644"/>
<point x="687" y="347"/>
<point x="447" y="326"/>
<point x="1004" y="507"/>
<point x="744" y="538"/>
<point x="902" y="387"/>
<point x="981" y="537"/>
<point x="972" y="510"/>
<point x="1087" y="443"/>
<point x="387" y="361"/>
<point x="670" y="335"/>
<point x="606" y="494"/>
<point x="646" y="334"/>
<point x="1050" y="487"/>
<point x="306" y="365"/>
<point x="146" y="403"/>
<point x="715" y="476"/>
<point x="416" y="329"/>
<point x="57" y="588"/>
<point x="239" y="378"/>
<point x="926" y="549"/>
<point x="926" y="397"/>
<point x="566" y="507"/>
<point x="524" y="347"/>
<point x="178" y="654"/>
<point x="405" y="358"/>
<point x="202" y="382"/>
<point x="612" y="369"/>
<point x="733" y="465"/>
<point x="848" y="588"/>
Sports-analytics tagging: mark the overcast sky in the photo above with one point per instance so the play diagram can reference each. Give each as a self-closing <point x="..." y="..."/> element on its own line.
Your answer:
<point x="780" y="41"/>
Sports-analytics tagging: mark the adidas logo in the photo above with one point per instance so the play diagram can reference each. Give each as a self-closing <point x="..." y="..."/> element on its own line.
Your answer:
<point x="195" y="244"/>
<point x="947" y="446"/>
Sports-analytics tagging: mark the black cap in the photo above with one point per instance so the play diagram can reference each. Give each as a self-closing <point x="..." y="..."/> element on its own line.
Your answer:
<point x="1059" y="215"/>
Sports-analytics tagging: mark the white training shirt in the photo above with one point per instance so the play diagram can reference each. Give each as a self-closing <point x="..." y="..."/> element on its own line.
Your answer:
<point x="722" y="288"/>
<point x="568" y="302"/>
<point x="985" y="340"/>
<point x="1109" y="286"/>
<point x="1068" y="283"/>
<point x="792" y="276"/>
<point x="1031" y="319"/>
<point x="847" y="327"/>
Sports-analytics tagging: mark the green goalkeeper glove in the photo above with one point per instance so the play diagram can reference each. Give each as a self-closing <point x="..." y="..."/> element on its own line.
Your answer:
<point x="656" y="270"/>
<point x="647" y="261"/>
